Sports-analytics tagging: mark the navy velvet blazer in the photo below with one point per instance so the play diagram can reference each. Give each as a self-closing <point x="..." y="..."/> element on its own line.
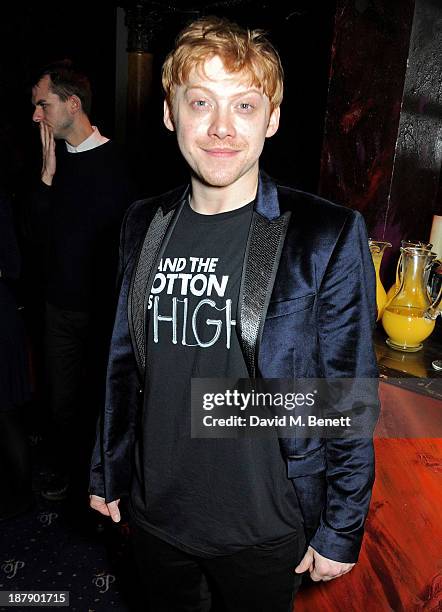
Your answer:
<point x="307" y="308"/>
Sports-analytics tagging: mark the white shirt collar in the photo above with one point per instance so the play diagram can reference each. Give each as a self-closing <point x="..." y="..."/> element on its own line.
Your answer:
<point x="91" y="142"/>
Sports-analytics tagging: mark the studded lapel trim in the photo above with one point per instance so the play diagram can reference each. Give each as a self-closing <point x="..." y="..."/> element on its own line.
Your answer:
<point x="263" y="252"/>
<point x="151" y="251"/>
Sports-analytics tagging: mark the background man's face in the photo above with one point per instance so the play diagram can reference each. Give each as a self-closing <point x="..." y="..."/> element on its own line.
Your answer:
<point x="50" y="109"/>
<point x="221" y="123"/>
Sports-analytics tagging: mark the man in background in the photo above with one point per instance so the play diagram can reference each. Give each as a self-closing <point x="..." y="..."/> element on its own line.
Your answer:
<point x="77" y="206"/>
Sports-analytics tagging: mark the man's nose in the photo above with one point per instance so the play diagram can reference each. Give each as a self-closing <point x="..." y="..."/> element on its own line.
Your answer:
<point x="37" y="115"/>
<point x="222" y="124"/>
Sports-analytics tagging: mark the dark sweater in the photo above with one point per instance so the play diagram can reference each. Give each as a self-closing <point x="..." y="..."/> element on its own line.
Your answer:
<point x="82" y="213"/>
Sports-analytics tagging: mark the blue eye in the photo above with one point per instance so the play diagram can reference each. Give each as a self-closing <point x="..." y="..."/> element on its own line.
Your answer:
<point x="199" y="103"/>
<point x="246" y="106"/>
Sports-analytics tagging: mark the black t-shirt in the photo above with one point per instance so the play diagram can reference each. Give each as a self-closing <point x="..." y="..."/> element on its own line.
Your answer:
<point x="206" y="496"/>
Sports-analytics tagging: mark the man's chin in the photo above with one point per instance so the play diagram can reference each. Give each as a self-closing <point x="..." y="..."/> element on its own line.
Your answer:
<point x="58" y="134"/>
<point x="218" y="179"/>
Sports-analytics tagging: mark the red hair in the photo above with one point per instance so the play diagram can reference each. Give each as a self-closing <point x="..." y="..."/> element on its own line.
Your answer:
<point x="240" y="49"/>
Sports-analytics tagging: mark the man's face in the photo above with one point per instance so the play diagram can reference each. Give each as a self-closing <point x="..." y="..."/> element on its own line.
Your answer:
<point x="221" y="123"/>
<point x="50" y="109"/>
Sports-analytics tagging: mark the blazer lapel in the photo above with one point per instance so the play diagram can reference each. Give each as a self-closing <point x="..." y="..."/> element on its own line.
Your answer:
<point x="152" y="249"/>
<point x="263" y="252"/>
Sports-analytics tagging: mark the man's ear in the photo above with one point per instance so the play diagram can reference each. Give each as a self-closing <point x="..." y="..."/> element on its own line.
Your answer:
<point x="74" y="104"/>
<point x="168" y="117"/>
<point x="273" y="125"/>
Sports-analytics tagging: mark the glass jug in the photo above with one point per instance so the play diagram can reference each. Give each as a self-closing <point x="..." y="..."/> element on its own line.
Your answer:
<point x="405" y="243"/>
<point x="410" y="316"/>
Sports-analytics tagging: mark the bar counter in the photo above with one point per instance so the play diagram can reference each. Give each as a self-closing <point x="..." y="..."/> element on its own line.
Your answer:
<point x="400" y="565"/>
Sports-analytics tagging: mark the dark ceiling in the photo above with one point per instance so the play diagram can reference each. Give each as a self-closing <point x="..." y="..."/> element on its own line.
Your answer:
<point x="32" y="35"/>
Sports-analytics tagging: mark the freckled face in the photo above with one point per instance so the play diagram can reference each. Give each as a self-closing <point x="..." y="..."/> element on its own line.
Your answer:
<point x="50" y="109"/>
<point x="221" y="123"/>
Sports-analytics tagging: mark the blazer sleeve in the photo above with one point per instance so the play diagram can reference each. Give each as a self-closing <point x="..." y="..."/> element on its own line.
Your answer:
<point x="111" y="463"/>
<point x="346" y="318"/>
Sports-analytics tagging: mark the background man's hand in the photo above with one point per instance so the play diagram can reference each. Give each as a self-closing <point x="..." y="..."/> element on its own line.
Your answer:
<point x="48" y="152"/>
<point x="108" y="509"/>
<point x="320" y="567"/>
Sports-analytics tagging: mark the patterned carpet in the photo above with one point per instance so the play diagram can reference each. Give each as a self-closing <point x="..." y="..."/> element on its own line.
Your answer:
<point x="65" y="546"/>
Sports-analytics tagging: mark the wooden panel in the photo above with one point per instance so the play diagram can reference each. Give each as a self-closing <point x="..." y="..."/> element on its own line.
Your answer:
<point x="400" y="566"/>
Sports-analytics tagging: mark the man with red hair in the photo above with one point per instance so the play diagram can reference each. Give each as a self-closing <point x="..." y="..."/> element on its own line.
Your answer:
<point x="233" y="277"/>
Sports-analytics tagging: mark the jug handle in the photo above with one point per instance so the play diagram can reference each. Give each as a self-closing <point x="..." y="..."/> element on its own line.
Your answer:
<point x="435" y="262"/>
<point x="434" y="310"/>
